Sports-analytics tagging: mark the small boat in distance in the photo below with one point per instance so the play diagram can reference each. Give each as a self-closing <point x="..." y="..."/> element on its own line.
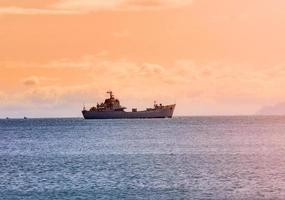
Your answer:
<point x="25" y="118"/>
<point x="111" y="109"/>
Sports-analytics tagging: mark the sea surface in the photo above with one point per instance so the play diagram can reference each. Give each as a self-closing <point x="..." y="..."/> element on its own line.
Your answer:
<point x="179" y="158"/>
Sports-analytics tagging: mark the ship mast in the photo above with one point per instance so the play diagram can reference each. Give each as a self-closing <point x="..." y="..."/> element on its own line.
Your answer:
<point x="111" y="94"/>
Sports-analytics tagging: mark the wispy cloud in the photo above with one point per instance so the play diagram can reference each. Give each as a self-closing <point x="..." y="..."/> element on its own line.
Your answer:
<point x="91" y="5"/>
<point x="191" y="80"/>
<point x="70" y="7"/>
<point x="34" y="11"/>
<point x="90" y="76"/>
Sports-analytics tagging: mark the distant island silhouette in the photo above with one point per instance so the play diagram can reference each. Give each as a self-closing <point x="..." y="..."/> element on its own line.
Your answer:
<point x="277" y="109"/>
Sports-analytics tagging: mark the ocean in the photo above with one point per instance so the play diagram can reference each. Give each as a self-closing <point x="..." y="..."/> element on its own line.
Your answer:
<point x="180" y="158"/>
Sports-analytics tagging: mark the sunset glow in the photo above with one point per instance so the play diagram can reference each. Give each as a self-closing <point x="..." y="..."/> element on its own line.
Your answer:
<point x="222" y="57"/>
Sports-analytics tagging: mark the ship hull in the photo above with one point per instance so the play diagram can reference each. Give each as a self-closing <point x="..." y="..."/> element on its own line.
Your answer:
<point x="165" y="112"/>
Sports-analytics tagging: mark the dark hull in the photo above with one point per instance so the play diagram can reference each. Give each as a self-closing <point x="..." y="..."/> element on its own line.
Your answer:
<point x="166" y="112"/>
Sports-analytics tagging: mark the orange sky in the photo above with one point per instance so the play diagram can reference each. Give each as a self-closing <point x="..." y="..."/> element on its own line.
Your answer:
<point x="210" y="57"/>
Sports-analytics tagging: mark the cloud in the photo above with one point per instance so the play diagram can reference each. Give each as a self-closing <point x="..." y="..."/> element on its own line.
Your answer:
<point x="36" y="80"/>
<point x="215" y="80"/>
<point x="71" y="7"/>
<point x="34" y="11"/>
<point x="86" y="79"/>
<point x="93" y="5"/>
<point x="97" y="75"/>
<point x="183" y="76"/>
<point x="30" y="81"/>
<point x="151" y="69"/>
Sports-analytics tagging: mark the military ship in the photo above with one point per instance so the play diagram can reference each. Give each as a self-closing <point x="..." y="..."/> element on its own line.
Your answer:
<point x="111" y="109"/>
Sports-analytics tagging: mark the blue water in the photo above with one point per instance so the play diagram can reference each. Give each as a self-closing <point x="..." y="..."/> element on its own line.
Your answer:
<point x="180" y="158"/>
